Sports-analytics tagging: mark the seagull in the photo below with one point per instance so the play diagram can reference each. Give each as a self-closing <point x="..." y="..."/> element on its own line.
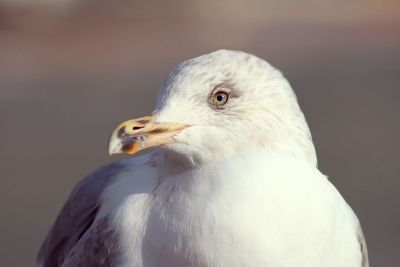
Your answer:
<point x="231" y="179"/>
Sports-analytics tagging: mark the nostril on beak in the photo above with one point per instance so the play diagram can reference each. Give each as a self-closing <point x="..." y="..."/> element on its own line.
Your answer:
<point x="137" y="127"/>
<point x="122" y="131"/>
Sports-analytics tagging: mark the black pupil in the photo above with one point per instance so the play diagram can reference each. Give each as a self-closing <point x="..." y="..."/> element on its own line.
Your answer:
<point x="220" y="98"/>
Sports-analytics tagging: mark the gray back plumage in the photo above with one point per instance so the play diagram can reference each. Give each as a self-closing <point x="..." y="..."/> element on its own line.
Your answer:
<point x="363" y="247"/>
<point x="74" y="230"/>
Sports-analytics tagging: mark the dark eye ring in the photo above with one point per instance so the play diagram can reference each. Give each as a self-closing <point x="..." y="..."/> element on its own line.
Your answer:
<point x="219" y="98"/>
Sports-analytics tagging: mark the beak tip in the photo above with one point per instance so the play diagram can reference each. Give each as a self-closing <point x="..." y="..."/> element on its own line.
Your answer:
<point x="114" y="145"/>
<point x="110" y="153"/>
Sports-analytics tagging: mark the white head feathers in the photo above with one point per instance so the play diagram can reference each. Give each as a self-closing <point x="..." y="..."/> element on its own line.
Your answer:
<point x="261" y="112"/>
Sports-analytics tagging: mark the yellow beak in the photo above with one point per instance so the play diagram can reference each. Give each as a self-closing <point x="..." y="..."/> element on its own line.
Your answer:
<point x="134" y="135"/>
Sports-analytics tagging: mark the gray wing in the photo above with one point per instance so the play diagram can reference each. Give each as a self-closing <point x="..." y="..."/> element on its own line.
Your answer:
<point x="73" y="229"/>
<point x="363" y="247"/>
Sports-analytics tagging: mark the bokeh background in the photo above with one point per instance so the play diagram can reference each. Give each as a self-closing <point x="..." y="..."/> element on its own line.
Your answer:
<point x="71" y="70"/>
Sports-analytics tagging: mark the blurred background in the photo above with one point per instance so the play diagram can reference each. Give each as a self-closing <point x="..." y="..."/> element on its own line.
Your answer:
<point x="71" y="70"/>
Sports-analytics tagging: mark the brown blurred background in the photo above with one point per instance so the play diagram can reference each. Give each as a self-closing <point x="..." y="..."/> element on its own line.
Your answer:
<point x="71" y="70"/>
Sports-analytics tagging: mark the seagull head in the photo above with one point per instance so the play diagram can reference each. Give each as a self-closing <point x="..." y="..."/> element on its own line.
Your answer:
<point x="219" y="105"/>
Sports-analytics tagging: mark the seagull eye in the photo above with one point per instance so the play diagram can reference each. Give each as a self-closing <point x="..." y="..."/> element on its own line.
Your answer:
<point x="219" y="98"/>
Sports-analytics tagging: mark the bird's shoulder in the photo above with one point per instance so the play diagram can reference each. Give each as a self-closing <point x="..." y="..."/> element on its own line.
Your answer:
<point x="77" y="235"/>
<point x="264" y="185"/>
